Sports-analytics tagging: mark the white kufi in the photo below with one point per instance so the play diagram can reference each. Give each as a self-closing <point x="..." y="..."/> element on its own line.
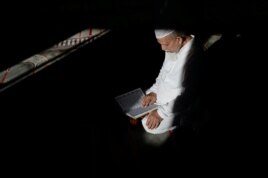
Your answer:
<point x="161" y="33"/>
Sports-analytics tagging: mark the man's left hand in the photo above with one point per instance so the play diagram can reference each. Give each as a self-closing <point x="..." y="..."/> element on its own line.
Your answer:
<point x="153" y="120"/>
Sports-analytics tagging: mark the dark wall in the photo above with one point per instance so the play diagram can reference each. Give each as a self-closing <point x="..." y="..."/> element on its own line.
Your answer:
<point x="29" y="27"/>
<point x="65" y="116"/>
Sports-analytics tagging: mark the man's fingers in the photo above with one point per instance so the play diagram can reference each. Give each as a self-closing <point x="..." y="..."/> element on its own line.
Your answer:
<point x="155" y="124"/>
<point x="147" y="102"/>
<point x="151" y="102"/>
<point x="148" y="123"/>
<point x="143" y="102"/>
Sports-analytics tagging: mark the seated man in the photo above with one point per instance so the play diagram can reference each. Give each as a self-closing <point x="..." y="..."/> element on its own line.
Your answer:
<point x="169" y="83"/>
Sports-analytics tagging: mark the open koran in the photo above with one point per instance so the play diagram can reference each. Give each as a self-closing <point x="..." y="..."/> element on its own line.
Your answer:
<point x="130" y="103"/>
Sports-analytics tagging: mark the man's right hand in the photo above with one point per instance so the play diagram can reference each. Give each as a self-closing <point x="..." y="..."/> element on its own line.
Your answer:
<point x="149" y="99"/>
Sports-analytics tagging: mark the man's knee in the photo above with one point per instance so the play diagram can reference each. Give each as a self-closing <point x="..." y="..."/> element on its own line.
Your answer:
<point x="164" y="126"/>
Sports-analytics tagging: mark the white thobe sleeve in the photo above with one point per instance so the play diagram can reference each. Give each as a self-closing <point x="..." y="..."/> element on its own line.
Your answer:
<point x="166" y="111"/>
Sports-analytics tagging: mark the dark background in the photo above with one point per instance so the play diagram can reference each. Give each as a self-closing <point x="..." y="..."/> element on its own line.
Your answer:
<point x="29" y="27"/>
<point x="64" y="121"/>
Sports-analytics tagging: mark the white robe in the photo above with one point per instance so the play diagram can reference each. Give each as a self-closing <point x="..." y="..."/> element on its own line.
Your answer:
<point x="168" y="87"/>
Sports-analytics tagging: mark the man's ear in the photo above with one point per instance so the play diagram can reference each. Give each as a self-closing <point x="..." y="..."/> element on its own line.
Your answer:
<point x="179" y="39"/>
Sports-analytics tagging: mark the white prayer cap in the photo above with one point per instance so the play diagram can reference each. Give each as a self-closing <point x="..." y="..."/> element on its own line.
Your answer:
<point x="161" y="33"/>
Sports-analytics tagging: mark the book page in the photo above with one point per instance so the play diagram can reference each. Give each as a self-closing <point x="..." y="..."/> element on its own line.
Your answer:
<point x="130" y="103"/>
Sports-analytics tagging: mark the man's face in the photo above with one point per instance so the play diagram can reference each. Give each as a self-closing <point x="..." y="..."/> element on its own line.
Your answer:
<point x="170" y="43"/>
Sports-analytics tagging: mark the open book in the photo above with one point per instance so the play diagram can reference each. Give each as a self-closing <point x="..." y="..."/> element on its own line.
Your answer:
<point x="130" y="104"/>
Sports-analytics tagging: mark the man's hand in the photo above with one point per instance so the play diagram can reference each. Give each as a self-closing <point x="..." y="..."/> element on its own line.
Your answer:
<point x="153" y="120"/>
<point x="149" y="99"/>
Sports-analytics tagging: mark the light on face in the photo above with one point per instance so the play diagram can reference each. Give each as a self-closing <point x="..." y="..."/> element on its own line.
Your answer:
<point x="169" y="44"/>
